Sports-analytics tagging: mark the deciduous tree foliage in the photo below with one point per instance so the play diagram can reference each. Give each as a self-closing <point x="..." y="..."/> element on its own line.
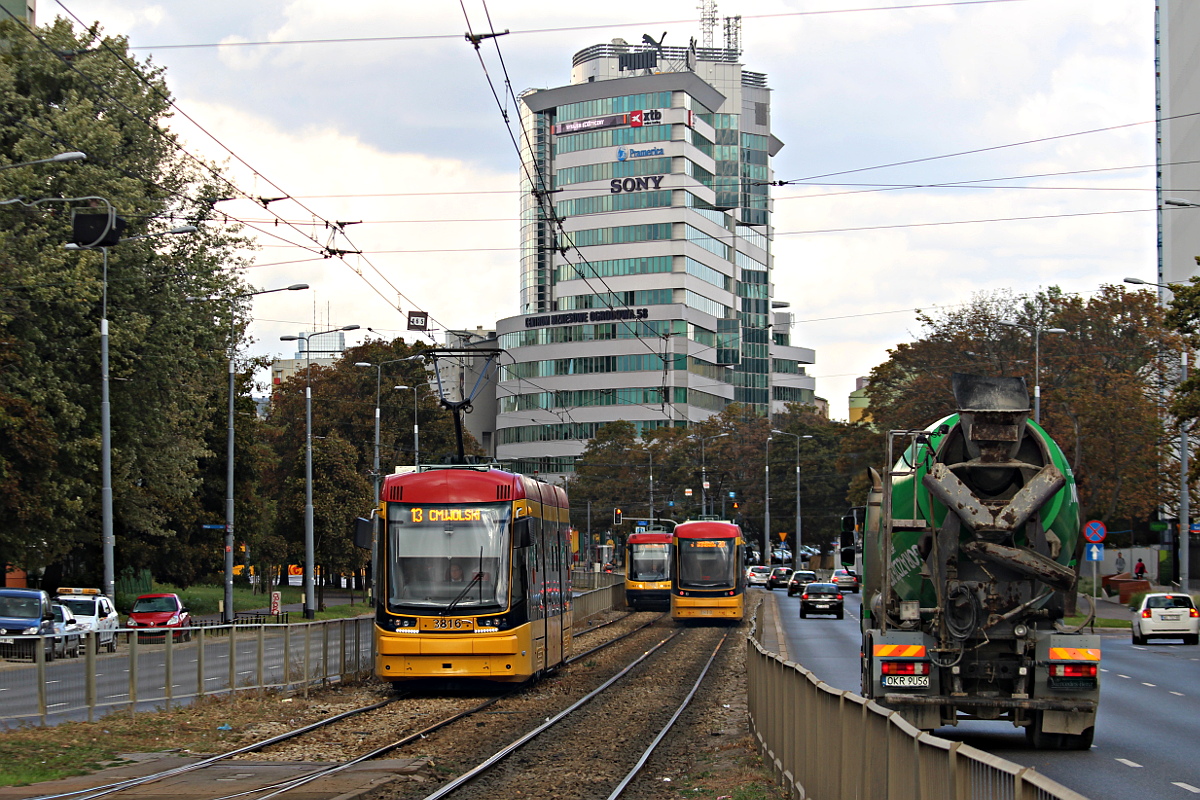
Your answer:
<point x="1100" y="383"/>
<point x="166" y="361"/>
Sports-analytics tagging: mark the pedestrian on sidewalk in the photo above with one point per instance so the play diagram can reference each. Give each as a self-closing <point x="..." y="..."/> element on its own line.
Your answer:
<point x="1120" y="562"/>
<point x="1139" y="570"/>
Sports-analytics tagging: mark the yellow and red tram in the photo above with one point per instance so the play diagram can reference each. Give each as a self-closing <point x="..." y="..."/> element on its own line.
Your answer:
<point x="474" y="576"/>
<point x="648" y="570"/>
<point x="708" y="579"/>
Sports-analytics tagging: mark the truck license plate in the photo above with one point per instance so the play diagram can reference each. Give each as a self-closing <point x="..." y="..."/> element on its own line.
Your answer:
<point x="6" y="640"/>
<point x="907" y="681"/>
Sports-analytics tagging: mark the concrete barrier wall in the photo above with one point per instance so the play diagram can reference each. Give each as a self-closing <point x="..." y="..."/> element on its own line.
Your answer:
<point x="830" y="744"/>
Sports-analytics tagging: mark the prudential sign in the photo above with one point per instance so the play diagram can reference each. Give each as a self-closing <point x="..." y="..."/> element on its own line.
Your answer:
<point x="626" y="153"/>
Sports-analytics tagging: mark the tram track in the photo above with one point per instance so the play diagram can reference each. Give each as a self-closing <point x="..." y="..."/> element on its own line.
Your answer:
<point x="406" y="713"/>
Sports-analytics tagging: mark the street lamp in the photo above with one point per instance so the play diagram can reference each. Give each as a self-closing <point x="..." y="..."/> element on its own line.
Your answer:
<point x="74" y="155"/>
<point x="1185" y="511"/>
<point x="1037" y="358"/>
<point x="799" y="537"/>
<point x="416" y="438"/>
<point x="767" y="508"/>
<point x="378" y="388"/>
<point x="227" y="617"/>
<point x="704" y="473"/>
<point x="310" y="593"/>
<point x="107" y="540"/>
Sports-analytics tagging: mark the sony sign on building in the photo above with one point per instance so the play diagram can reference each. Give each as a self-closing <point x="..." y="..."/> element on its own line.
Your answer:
<point x="646" y="254"/>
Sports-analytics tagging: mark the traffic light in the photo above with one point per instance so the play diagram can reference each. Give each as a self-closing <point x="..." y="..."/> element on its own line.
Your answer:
<point x="735" y="506"/>
<point x="616" y="516"/>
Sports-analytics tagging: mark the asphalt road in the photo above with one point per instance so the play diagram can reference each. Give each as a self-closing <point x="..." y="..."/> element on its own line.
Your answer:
<point x="1146" y="729"/>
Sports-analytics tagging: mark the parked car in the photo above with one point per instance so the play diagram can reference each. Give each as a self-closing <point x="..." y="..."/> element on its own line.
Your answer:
<point x="821" y="598"/>
<point x="845" y="579"/>
<point x="68" y="634"/>
<point x="800" y="578"/>
<point x="26" y="622"/>
<point x="1166" y="616"/>
<point x="778" y="577"/>
<point x="757" y="576"/>
<point x="152" y="614"/>
<point x="94" y="612"/>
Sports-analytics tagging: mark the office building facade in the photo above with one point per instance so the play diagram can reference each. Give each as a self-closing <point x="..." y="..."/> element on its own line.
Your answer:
<point x="646" y="256"/>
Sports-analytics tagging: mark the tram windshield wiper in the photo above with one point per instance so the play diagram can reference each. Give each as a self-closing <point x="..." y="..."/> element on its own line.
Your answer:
<point x="476" y="578"/>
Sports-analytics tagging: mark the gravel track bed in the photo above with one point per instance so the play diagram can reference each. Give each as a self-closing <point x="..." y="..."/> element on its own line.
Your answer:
<point x="589" y="757"/>
<point x="362" y="733"/>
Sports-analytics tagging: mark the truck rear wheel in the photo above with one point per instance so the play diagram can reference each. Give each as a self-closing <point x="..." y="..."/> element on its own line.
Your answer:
<point x="1041" y="740"/>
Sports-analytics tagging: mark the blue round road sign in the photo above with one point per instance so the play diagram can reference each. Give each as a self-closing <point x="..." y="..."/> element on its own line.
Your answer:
<point x="1094" y="531"/>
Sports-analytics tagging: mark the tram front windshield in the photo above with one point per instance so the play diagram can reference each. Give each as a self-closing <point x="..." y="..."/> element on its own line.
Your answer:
<point x="648" y="562"/>
<point x="443" y="554"/>
<point x="707" y="564"/>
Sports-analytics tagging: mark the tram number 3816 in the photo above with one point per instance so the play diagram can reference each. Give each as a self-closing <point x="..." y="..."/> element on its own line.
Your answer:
<point x="444" y="624"/>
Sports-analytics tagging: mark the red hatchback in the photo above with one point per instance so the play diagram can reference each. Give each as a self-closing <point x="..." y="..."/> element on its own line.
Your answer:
<point x="151" y="613"/>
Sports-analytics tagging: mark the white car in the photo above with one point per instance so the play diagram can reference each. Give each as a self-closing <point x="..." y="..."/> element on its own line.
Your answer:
<point x="1166" y="616"/>
<point x="94" y="612"/>
<point x="758" y="576"/>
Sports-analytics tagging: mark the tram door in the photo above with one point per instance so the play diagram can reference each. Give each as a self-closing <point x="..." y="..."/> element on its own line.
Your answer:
<point x="553" y="551"/>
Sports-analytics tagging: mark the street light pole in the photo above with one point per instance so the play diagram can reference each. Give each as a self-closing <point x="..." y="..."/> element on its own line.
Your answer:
<point x="704" y="473"/>
<point x="1037" y="361"/>
<point x="227" y="616"/>
<point x="310" y="592"/>
<point x="767" y="508"/>
<point x="799" y="534"/>
<point x="107" y="537"/>
<point x="378" y="387"/>
<point x="1185" y="510"/>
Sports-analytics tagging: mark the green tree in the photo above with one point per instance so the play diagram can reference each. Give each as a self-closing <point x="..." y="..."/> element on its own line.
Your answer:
<point x="1100" y="383"/>
<point x="165" y="360"/>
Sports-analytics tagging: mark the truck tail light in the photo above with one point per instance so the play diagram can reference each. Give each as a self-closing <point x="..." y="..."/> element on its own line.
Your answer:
<point x="904" y="667"/>
<point x="1072" y="670"/>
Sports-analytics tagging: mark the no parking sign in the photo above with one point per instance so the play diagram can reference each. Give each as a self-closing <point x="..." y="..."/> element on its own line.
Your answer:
<point x="1095" y="531"/>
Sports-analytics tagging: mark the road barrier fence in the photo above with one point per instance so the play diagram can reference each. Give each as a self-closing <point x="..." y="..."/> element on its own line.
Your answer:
<point x="829" y="744"/>
<point x="162" y="671"/>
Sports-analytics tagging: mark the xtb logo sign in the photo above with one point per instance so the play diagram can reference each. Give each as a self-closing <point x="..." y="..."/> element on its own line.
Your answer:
<point x="650" y="116"/>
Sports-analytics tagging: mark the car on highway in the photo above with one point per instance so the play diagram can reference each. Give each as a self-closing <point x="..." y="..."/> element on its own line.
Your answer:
<point x="68" y="633"/>
<point x="800" y="578"/>
<point x="845" y="579"/>
<point x="94" y="612"/>
<point x="778" y="577"/>
<point x="1163" y="615"/>
<point x="757" y="576"/>
<point x="821" y="598"/>
<point x="153" y="614"/>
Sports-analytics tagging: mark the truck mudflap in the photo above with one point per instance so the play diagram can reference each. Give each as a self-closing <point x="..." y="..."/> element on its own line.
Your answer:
<point x="1029" y="704"/>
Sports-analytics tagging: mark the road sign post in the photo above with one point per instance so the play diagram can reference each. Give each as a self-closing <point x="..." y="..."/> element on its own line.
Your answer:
<point x="1094" y="552"/>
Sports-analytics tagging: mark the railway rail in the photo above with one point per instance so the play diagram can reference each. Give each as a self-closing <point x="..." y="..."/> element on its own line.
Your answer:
<point x="449" y="710"/>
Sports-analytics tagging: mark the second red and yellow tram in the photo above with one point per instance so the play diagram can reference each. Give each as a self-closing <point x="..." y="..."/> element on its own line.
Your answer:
<point x="708" y="579"/>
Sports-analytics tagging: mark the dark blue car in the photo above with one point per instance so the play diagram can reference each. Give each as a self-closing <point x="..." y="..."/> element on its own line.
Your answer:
<point x="26" y="621"/>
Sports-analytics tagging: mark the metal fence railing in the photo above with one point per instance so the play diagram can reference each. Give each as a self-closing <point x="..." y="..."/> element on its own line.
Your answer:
<point x="596" y="601"/>
<point x="827" y="744"/>
<point x="147" y="673"/>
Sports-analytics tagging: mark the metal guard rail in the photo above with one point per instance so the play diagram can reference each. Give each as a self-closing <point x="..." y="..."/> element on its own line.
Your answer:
<point x="830" y="744"/>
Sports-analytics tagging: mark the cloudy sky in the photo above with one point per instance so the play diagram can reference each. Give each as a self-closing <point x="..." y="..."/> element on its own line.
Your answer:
<point x="1038" y="113"/>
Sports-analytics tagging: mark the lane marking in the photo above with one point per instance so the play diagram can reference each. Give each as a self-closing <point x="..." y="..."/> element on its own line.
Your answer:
<point x="1102" y="669"/>
<point x="1179" y="694"/>
<point x="1129" y="763"/>
<point x="1147" y="684"/>
<point x="1187" y="786"/>
<point x="1119" y="675"/>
